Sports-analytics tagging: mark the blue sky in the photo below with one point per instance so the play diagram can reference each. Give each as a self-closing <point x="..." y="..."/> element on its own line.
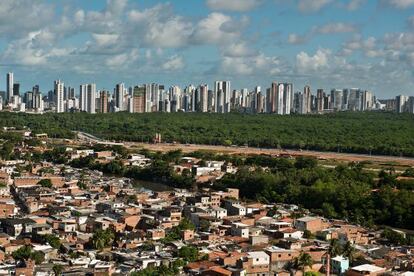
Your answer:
<point x="324" y="43"/>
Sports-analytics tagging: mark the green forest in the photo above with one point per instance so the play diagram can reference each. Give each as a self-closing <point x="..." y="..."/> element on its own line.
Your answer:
<point x="357" y="132"/>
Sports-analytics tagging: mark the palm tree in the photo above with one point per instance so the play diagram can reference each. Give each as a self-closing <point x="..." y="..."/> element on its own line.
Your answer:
<point x="102" y="238"/>
<point x="334" y="250"/>
<point x="57" y="269"/>
<point x="349" y="251"/>
<point x="303" y="260"/>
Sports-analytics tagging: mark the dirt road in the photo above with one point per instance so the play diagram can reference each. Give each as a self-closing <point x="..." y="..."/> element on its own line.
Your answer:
<point x="346" y="157"/>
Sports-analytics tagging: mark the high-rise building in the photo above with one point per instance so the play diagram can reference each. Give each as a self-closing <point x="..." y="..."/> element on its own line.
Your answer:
<point x="203" y="97"/>
<point x="91" y="98"/>
<point x="222" y="94"/>
<point x="138" y="99"/>
<point x="367" y="101"/>
<point x="28" y="99"/>
<point x="287" y="98"/>
<point x="9" y="86"/>
<point x="16" y="89"/>
<point x="59" y="87"/>
<point x="83" y="97"/>
<point x="336" y="98"/>
<point x="272" y="96"/>
<point x="305" y="101"/>
<point x="354" y="99"/>
<point x="320" y="95"/>
<point x="401" y="103"/>
<point x="103" y="102"/>
<point x="410" y="105"/>
<point x="120" y="96"/>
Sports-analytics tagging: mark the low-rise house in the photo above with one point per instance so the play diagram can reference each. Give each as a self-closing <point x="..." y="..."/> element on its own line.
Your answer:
<point x="312" y="224"/>
<point x="280" y="257"/>
<point x="255" y="263"/>
<point x="339" y="265"/>
<point x="240" y="230"/>
<point x="366" y="270"/>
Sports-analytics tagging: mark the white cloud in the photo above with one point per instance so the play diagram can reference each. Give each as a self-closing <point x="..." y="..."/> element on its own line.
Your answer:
<point x="257" y="65"/>
<point x="401" y="4"/>
<point x="334" y="28"/>
<point x="218" y="28"/>
<point x="238" y="49"/>
<point x="160" y="27"/>
<point x="233" y="5"/>
<point x="173" y="63"/>
<point x="105" y="39"/>
<point x="309" y="6"/>
<point x="19" y="17"/>
<point x="354" y="4"/>
<point x="297" y="39"/>
<point x="26" y="51"/>
<point x="122" y="60"/>
<point x="306" y="63"/>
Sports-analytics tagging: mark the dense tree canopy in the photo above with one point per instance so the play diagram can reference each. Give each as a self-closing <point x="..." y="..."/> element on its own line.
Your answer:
<point x="369" y="132"/>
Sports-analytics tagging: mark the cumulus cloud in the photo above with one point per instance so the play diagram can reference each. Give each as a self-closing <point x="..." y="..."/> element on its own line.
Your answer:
<point x="309" y="6"/>
<point x="25" y="51"/>
<point x="306" y="63"/>
<point x="335" y="28"/>
<point x="233" y="5"/>
<point x="330" y="28"/>
<point x="401" y="4"/>
<point x="122" y="60"/>
<point x="297" y="39"/>
<point x="173" y="63"/>
<point x="218" y="28"/>
<point x="353" y="5"/>
<point x="238" y="49"/>
<point x="19" y="17"/>
<point x="254" y="65"/>
<point x="160" y="27"/>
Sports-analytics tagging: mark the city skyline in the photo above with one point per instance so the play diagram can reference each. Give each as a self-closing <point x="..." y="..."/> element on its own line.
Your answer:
<point x="280" y="98"/>
<point x="323" y="43"/>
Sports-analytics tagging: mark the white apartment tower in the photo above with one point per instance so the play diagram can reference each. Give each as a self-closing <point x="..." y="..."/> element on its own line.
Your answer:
<point x="91" y="98"/>
<point x="10" y="83"/>
<point x="59" y="93"/>
<point x="222" y="95"/>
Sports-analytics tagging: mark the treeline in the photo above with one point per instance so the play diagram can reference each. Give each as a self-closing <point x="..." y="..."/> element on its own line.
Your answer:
<point x="366" y="132"/>
<point x="345" y="192"/>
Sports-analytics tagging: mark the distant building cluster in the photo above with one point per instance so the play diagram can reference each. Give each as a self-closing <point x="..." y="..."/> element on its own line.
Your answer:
<point x="279" y="98"/>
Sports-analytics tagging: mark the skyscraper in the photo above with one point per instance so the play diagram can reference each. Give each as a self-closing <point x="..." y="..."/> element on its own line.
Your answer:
<point x="203" y="97"/>
<point x="16" y="89"/>
<point x="83" y="97"/>
<point x="287" y="98"/>
<point x="222" y="95"/>
<point x="272" y="98"/>
<point x="59" y="87"/>
<point x="336" y="98"/>
<point x="9" y="88"/>
<point x="320" y="95"/>
<point x="120" y="96"/>
<point x="103" y="101"/>
<point x="91" y="98"/>
<point x="138" y="98"/>
<point x="401" y="103"/>
<point x="305" y="100"/>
